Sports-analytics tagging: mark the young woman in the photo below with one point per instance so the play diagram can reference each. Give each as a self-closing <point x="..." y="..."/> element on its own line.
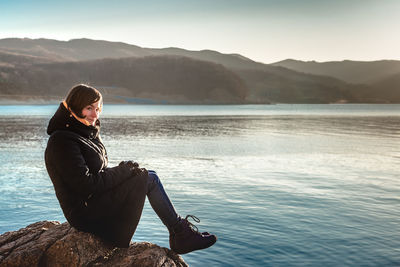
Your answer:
<point x="106" y="201"/>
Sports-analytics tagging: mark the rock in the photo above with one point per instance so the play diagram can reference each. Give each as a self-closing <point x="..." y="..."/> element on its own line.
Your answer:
<point x="53" y="244"/>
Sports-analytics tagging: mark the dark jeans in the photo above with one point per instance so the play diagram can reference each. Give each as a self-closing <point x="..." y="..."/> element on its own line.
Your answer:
<point x="160" y="202"/>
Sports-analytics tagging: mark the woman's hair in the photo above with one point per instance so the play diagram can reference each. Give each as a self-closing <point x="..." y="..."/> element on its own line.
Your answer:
<point x="82" y="95"/>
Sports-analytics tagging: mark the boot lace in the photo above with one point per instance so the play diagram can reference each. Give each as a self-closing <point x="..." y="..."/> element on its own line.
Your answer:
<point x="191" y="225"/>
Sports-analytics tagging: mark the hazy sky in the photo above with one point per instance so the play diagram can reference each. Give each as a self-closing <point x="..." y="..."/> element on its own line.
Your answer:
<point x="265" y="30"/>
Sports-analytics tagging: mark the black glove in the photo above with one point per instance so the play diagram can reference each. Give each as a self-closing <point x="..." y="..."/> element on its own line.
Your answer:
<point x="135" y="167"/>
<point x="130" y="164"/>
<point x="139" y="171"/>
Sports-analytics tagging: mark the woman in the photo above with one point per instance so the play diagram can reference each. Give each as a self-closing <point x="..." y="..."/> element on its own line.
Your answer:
<point x="101" y="200"/>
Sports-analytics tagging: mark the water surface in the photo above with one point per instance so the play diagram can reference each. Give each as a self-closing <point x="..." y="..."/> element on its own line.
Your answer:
<point x="281" y="185"/>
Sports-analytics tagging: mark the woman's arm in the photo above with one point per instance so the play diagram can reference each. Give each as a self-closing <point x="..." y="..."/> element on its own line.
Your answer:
<point x="66" y="164"/>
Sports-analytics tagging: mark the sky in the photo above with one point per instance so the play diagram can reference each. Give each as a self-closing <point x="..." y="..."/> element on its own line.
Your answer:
<point x="263" y="30"/>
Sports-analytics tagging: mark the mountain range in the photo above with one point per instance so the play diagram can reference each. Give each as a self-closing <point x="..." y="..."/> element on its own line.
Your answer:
<point x="46" y="69"/>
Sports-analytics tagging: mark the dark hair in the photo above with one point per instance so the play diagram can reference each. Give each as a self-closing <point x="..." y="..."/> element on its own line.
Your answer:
<point x="82" y="95"/>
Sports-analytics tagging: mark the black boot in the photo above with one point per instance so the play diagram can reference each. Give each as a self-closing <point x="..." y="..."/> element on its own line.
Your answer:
<point x="185" y="237"/>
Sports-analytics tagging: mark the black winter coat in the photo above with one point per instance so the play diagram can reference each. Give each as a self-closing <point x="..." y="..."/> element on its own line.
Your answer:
<point x="93" y="197"/>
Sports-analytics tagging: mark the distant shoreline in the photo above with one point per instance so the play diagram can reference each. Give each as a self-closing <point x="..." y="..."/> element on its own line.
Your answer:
<point x="38" y="102"/>
<point x="29" y="102"/>
<point x="43" y="101"/>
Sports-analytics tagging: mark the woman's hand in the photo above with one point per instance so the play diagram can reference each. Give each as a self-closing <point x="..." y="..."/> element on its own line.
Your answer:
<point x="129" y="163"/>
<point x="139" y="171"/>
<point x="134" y="166"/>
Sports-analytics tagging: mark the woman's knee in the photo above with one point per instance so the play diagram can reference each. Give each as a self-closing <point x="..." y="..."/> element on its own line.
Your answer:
<point x="136" y="183"/>
<point x="153" y="180"/>
<point x="143" y="178"/>
<point x="153" y="177"/>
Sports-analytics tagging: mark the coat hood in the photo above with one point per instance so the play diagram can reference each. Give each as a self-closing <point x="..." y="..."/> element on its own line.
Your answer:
<point x="64" y="120"/>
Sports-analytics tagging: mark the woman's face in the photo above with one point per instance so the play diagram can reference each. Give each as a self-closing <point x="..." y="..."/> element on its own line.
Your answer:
<point x="92" y="112"/>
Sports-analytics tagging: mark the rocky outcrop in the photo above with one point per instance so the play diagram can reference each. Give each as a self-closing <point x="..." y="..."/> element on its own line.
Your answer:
<point x="53" y="244"/>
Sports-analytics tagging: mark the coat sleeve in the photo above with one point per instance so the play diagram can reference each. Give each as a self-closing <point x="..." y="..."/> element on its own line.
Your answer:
<point x="65" y="161"/>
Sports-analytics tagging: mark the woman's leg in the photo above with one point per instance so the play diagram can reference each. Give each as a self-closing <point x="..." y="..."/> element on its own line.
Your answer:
<point x="114" y="215"/>
<point x="132" y="193"/>
<point x="183" y="235"/>
<point x="133" y="206"/>
<point x="160" y="201"/>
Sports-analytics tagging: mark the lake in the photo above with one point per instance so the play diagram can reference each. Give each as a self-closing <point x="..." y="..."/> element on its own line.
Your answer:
<point x="280" y="185"/>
